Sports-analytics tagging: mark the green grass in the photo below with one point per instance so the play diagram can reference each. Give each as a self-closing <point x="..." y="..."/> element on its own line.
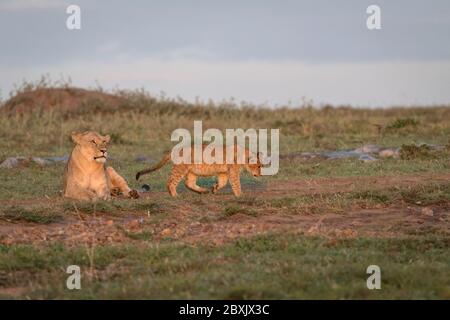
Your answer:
<point x="42" y="215"/>
<point x="267" y="267"/>
<point x="35" y="182"/>
<point x="158" y="209"/>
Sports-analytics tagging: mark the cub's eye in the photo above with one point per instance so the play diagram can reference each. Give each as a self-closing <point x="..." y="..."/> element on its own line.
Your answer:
<point x="93" y="141"/>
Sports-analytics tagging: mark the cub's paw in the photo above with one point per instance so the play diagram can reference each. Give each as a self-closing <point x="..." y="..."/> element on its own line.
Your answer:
<point x="133" y="194"/>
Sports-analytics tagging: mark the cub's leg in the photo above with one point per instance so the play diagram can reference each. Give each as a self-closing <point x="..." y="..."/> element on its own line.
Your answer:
<point x="222" y="180"/>
<point x="191" y="183"/>
<point x="177" y="174"/>
<point x="235" y="180"/>
<point x="118" y="182"/>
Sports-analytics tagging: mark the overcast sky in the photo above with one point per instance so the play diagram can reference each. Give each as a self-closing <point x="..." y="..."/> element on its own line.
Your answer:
<point x="259" y="51"/>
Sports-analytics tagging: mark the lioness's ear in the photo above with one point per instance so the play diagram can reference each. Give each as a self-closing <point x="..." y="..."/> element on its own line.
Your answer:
<point x="107" y="138"/>
<point x="76" y="137"/>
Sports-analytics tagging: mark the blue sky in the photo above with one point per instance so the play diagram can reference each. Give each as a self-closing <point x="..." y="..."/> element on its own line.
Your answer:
<point x="259" y="51"/>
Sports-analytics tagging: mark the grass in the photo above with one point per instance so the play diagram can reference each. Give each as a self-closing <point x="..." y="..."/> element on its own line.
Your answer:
<point x="266" y="267"/>
<point x="229" y="211"/>
<point x="42" y="215"/>
<point x="432" y="194"/>
<point x="35" y="182"/>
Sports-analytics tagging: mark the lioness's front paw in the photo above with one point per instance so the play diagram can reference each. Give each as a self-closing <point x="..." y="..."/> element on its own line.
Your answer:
<point x="115" y="192"/>
<point x="106" y="197"/>
<point x="133" y="194"/>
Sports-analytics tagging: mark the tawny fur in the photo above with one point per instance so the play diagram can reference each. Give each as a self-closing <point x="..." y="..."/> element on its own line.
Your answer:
<point x="225" y="172"/>
<point x="85" y="175"/>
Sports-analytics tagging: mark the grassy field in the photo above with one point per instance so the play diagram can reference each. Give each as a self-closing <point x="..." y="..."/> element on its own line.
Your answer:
<point x="308" y="232"/>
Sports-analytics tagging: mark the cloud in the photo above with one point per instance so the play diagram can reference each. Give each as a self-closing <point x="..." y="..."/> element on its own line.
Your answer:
<point x="18" y="5"/>
<point x="272" y="82"/>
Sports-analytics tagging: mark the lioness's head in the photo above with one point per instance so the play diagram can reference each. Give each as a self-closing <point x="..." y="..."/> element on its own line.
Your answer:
<point x="92" y="145"/>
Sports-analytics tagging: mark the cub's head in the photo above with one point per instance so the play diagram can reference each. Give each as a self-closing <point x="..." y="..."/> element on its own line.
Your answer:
<point x="254" y="168"/>
<point x="92" y="145"/>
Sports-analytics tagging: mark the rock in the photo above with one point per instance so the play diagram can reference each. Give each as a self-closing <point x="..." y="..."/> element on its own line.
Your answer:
<point x="14" y="162"/>
<point x="166" y="232"/>
<point x="63" y="158"/>
<point x="300" y="156"/>
<point x="369" y="148"/>
<point x="427" y="212"/>
<point x="340" y="154"/>
<point x="389" y="153"/>
<point x="437" y="147"/>
<point x="134" y="224"/>
<point x="367" y="158"/>
<point x="41" y="161"/>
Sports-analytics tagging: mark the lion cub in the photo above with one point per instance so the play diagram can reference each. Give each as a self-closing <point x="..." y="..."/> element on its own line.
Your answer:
<point x="86" y="177"/>
<point x="224" y="172"/>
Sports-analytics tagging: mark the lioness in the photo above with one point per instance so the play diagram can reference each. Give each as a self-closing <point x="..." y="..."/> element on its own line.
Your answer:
<point x="224" y="172"/>
<point x="85" y="175"/>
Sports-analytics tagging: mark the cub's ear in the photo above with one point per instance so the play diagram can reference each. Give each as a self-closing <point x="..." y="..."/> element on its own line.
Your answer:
<point x="107" y="138"/>
<point x="260" y="156"/>
<point x="76" y="136"/>
<point x="263" y="159"/>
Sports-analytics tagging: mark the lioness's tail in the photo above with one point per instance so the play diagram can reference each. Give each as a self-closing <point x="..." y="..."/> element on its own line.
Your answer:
<point x="161" y="163"/>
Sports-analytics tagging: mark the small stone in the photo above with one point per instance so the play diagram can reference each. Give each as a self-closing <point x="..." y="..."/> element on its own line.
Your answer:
<point x="134" y="224"/>
<point x="367" y="158"/>
<point x="109" y="222"/>
<point x="389" y="153"/>
<point x="63" y="158"/>
<point x="13" y="162"/>
<point x="369" y="148"/>
<point x="427" y="212"/>
<point x="166" y="232"/>
<point x="41" y="161"/>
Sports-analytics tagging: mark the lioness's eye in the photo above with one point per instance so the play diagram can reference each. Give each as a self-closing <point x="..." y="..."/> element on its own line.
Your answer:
<point x="93" y="141"/>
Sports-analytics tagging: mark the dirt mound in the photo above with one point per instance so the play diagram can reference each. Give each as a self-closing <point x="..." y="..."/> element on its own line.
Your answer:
<point x="61" y="99"/>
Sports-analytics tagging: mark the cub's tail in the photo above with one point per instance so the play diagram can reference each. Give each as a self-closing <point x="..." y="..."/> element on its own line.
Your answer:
<point x="161" y="163"/>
